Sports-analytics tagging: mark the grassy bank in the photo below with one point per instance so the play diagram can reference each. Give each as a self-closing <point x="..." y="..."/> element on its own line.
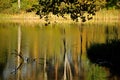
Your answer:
<point x="107" y="16"/>
<point x="103" y="16"/>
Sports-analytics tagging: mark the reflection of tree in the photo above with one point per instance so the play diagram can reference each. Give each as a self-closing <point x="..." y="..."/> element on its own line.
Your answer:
<point x="19" y="48"/>
<point x="19" y="53"/>
<point x="111" y="34"/>
<point x="45" y="73"/>
<point x="67" y="67"/>
<point x="81" y="39"/>
<point x="115" y="33"/>
<point x="107" y="33"/>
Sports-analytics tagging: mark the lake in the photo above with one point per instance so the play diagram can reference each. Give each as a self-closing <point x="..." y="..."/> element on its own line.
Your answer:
<point x="53" y="52"/>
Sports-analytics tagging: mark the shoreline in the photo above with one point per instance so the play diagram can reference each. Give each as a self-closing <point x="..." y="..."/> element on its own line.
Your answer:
<point x="103" y="16"/>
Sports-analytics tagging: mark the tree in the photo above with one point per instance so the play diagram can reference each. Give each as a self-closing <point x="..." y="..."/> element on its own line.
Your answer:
<point x="75" y="8"/>
<point x="18" y="4"/>
<point x="112" y="3"/>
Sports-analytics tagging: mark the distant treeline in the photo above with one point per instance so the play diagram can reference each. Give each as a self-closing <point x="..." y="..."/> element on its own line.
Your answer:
<point x="11" y="6"/>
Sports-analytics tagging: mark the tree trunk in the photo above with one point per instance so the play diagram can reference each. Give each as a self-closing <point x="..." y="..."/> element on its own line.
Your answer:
<point x="18" y="4"/>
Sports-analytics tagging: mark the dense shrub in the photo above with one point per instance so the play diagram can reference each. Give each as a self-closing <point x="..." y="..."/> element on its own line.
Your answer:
<point x="4" y="4"/>
<point x="112" y="4"/>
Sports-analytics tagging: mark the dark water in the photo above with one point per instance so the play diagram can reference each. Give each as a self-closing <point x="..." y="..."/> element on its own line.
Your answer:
<point x="54" y="52"/>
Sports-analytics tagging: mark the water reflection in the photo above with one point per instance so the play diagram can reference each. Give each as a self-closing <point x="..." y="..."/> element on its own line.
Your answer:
<point x="56" y="52"/>
<point x="106" y="55"/>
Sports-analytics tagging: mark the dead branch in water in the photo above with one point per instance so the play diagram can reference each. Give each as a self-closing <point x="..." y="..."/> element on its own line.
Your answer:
<point x="21" y="63"/>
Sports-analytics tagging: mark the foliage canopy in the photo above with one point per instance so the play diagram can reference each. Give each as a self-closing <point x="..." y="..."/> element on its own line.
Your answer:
<point x="75" y="8"/>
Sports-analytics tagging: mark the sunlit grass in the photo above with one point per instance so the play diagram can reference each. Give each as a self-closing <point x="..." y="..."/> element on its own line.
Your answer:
<point x="107" y="16"/>
<point x="103" y="16"/>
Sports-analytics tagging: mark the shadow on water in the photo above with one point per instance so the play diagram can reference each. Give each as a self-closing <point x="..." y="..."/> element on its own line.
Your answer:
<point x="3" y="63"/>
<point x="106" y="55"/>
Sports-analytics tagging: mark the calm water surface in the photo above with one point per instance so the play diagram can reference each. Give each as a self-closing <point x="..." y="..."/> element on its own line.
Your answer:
<point x="54" y="52"/>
